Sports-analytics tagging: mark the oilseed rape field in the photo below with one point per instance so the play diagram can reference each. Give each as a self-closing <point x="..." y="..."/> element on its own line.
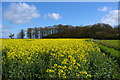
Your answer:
<point x="55" y="58"/>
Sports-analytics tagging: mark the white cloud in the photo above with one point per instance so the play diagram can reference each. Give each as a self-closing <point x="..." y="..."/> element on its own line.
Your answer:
<point x="111" y="18"/>
<point x="6" y="31"/>
<point x="4" y="27"/>
<point x="54" y="16"/>
<point x="5" y="34"/>
<point x="20" y="13"/>
<point x="103" y="9"/>
<point x="0" y="26"/>
<point x="45" y="16"/>
<point x="89" y="23"/>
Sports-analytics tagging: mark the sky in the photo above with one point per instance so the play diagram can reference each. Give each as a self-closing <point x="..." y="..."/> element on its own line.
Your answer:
<point x="17" y="16"/>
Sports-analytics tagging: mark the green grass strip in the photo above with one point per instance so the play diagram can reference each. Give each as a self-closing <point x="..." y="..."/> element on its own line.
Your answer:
<point x="110" y="51"/>
<point x="110" y="43"/>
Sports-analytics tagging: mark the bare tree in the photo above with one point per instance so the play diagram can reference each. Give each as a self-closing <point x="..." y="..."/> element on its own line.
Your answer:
<point x="11" y="35"/>
<point x="29" y="32"/>
<point x="22" y="34"/>
<point x="36" y="32"/>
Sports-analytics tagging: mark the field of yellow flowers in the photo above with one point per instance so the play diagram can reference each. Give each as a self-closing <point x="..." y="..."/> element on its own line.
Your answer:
<point x="55" y="58"/>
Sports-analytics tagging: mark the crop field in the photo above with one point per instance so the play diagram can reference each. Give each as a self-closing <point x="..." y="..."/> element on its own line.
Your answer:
<point x="55" y="58"/>
<point x="110" y="43"/>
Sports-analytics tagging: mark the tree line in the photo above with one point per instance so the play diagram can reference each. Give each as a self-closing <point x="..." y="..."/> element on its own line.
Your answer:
<point x="96" y="31"/>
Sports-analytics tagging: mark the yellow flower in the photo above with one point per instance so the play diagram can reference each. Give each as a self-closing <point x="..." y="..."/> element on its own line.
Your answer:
<point x="70" y="68"/>
<point x="104" y="54"/>
<point x="89" y="75"/>
<point x="64" y="67"/>
<point x="26" y="61"/>
<point x="51" y="76"/>
<point x="69" y="56"/>
<point x="59" y="66"/>
<point x="55" y="65"/>
<point x="65" y="53"/>
<point x="78" y="64"/>
<point x="49" y="70"/>
<point x="63" y="62"/>
<point x="31" y="61"/>
<point x="61" y="71"/>
<point x="84" y="72"/>
<point x="51" y="53"/>
<point x="64" y="77"/>
<point x="76" y="67"/>
<point x="77" y="74"/>
<point x="74" y="61"/>
<point x="52" y="49"/>
<point x="29" y="58"/>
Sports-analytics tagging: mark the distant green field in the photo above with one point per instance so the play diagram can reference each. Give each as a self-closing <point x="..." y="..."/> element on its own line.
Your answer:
<point x="110" y="43"/>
